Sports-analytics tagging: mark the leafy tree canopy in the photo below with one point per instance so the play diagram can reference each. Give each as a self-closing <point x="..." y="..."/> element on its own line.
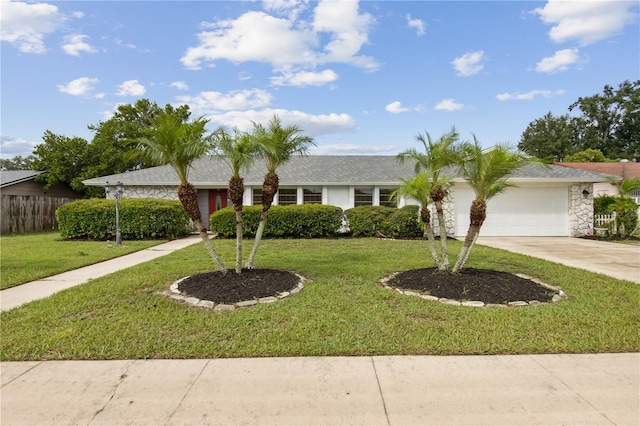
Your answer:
<point x="112" y="149"/>
<point x="16" y="163"/>
<point x="587" y="156"/>
<point x="609" y="122"/>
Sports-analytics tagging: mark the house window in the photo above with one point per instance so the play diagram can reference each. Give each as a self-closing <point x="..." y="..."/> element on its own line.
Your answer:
<point x="363" y="196"/>
<point x="287" y="196"/>
<point x="385" y="194"/>
<point x="257" y="197"/>
<point x="312" y="195"/>
<point x="635" y="194"/>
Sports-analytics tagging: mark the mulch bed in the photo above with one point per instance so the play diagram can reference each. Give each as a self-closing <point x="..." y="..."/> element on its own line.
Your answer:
<point x="485" y="285"/>
<point x="232" y="288"/>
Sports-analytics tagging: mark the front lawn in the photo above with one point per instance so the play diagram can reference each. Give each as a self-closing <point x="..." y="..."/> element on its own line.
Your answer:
<point x="29" y="257"/>
<point x="341" y="311"/>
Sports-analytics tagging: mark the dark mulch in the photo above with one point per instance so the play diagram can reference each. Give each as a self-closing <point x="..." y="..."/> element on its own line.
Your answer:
<point x="485" y="285"/>
<point x="231" y="288"/>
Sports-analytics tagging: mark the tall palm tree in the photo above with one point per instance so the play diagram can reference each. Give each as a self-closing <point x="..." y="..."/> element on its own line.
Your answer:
<point x="437" y="156"/>
<point x="173" y="141"/>
<point x="239" y="152"/>
<point x="277" y="145"/>
<point x="487" y="172"/>
<point x="418" y="188"/>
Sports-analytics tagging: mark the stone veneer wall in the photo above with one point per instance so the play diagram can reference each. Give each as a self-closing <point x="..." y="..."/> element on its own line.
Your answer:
<point x="580" y="209"/>
<point x="163" y="192"/>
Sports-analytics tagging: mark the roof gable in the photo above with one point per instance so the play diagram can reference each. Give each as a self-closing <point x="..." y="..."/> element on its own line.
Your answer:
<point x="13" y="177"/>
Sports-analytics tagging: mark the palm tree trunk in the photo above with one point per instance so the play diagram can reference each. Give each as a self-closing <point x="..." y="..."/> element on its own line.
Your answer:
<point x="188" y="196"/>
<point x="443" y="237"/>
<point x="477" y="215"/>
<point x="239" y="241"/>
<point x="236" y="193"/>
<point x="428" y="230"/>
<point x="269" y="189"/>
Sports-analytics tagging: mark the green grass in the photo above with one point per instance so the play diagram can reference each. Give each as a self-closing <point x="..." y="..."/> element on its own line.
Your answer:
<point x="341" y="311"/>
<point x="29" y="257"/>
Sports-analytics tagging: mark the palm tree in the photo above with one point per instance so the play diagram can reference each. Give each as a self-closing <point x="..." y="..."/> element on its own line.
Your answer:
<point x="437" y="156"/>
<point x="418" y="188"/>
<point x="624" y="206"/>
<point x="487" y="172"/>
<point x="277" y="145"/>
<point x="239" y="151"/>
<point x="177" y="143"/>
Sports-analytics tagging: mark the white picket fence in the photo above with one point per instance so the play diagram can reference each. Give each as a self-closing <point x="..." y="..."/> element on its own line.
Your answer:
<point x="605" y="223"/>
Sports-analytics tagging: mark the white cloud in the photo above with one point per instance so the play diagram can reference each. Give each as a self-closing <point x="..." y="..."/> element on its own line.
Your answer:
<point x="468" y="64"/>
<point x="131" y="88"/>
<point x="215" y="102"/>
<point x="448" y="105"/>
<point x="26" y="25"/>
<point x="560" y="61"/>
<point x="10" y="146"/>
<point x="396" y="107"/>
<point x="79" y="87"/>
<point x="286" y="42"/>
<point x="74" y="44"/>
<point x="346" y="149"/>
<point x="586" y="21"/>
<point x="311" y="124"/>
<point x="180" y="85"/>
<point x="305" y="78"/>
<point x="529" y="95"/>
<point x="416" y="24"/>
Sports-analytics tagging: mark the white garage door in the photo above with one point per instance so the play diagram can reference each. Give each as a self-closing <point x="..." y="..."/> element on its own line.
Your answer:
<point x="522" y="211"/>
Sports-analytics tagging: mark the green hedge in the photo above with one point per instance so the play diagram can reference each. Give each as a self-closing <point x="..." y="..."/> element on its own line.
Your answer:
<point x="296" y="221"/>
<point x="403" y="223"/>
<point x="140" y="218"/>
<point x="364" y="221"/>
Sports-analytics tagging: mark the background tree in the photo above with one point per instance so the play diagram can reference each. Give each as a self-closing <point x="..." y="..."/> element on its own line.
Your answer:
<point x="277" y="145"/>
<point x="64" y="159"/>
<point x="587" y="156"/>
<point x="171" y="140"/>
<point x="611" y="120"/>
<point x="549" y="137"/>
<point x="17" y="163"/>
<point x="487" y="172"/>
<point x="437" y="156"/>
<point x="239" y="152"/>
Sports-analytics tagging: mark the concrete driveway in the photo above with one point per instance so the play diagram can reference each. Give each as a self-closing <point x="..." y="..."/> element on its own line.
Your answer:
<point x="617" y="260"/>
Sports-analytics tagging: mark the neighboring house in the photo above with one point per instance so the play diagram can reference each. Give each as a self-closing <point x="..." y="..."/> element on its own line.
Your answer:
<point x="26" y="206"/>
<point x="622" y="169"/>
<point x="549" y="200"/>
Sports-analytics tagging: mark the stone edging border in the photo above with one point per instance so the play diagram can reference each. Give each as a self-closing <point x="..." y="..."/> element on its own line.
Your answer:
<point x="560" y="295"/>
<point x="175" y="294"/>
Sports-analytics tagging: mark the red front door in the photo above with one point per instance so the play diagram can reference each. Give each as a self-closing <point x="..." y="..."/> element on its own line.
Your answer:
<point x="217" y="199"/>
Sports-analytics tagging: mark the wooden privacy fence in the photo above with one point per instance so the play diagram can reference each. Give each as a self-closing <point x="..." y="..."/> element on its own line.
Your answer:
<point x="21" y="214"/>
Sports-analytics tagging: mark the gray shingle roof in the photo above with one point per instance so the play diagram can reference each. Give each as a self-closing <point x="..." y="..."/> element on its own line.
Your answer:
<point x="322" y="170"/>
<point x="12" y="177"/>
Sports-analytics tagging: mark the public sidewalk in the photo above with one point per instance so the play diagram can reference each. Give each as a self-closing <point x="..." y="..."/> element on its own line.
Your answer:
<point x="19" y="295"/>
<point x="595" y="389"/>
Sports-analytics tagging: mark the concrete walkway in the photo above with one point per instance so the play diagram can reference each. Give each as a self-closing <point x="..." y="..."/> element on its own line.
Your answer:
<point x="600" y="389"/>
<point x="617" y="260"/>
<point x="16" y="296"/>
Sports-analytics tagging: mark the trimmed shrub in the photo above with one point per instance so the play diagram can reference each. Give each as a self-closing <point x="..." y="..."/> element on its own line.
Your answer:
<point x="403" y="223"/>
<point x="140" y="219"/>
<point x="601" y="204"/>
<point x="296" y="221"/>
<point x="365" y="220"/>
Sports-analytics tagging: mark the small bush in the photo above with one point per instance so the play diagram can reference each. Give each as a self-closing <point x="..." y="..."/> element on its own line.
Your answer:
<point x="140" y="219"/>
<point x="296" y="221"/>
<point x="403" y="223"/>
<point x="601" y="204"/>
<point x="364" y="221"/>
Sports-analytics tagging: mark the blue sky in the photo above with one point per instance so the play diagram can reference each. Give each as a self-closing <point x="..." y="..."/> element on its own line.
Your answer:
<point x="359" y="77"/>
